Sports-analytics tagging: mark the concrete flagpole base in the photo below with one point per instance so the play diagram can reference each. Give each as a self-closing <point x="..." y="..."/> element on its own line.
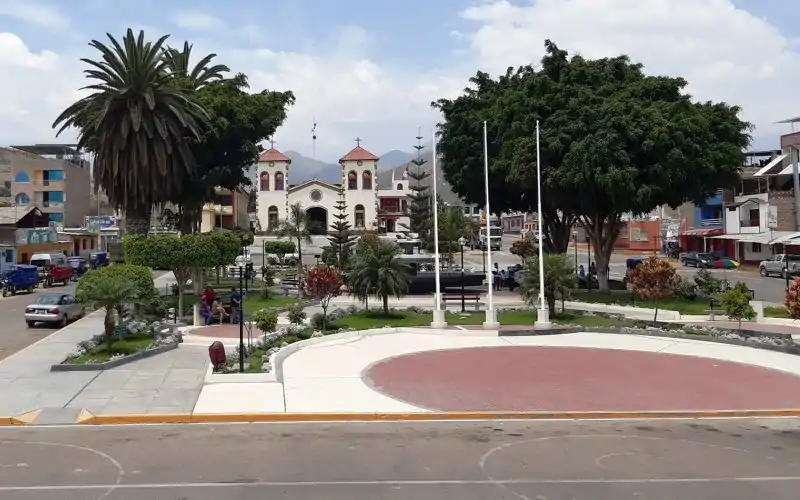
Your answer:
<point x="543" y="319"/>
<point x="491" y="320"/>
<point x="438" y="315"/>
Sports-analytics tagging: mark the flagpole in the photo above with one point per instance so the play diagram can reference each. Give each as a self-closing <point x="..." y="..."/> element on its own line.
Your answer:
<point x="543" y="318"/>
<point x="438" y="314"/>
<point x="491" y="318"/>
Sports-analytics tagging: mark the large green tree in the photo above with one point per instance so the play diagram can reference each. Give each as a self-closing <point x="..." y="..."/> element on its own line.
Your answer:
<point x="138" y="123"/>
<point x="613" y="141"/>
<point x="239" y="121"/>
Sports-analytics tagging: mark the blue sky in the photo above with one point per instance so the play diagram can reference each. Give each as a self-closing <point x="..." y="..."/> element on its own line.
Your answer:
<point x="370" y="69"/>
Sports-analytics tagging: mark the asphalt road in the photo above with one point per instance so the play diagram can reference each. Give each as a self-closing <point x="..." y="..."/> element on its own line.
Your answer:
<point x="735" y="460"/>
<point x="15" y="334"/>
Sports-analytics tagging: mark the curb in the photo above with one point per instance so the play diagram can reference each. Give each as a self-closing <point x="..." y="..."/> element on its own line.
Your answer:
<point x="96" y="367"/>
<point x="427" y="416"/>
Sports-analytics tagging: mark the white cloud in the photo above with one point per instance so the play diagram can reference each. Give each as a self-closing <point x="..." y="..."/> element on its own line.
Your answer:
<point x="34" y="13"/>
<point x="725" y="53"/>
<point x="197" y="21"/>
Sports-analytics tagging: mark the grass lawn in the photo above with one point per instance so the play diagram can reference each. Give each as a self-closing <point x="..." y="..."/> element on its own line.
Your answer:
<point x="364" y="320"/>
<point x="252" y="303"/>
<point x="626" y="299"/>
<point x="776" y="312"/>
<point x="104" y="352"/>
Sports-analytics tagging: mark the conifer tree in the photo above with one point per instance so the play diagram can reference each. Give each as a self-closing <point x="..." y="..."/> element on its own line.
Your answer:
<point x="342" y="238"/>
<point x="419" y="207"/>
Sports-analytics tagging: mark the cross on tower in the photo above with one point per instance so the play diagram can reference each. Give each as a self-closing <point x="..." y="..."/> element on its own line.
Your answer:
<point x="358" y="141"/>
<point x="271" y="143"/>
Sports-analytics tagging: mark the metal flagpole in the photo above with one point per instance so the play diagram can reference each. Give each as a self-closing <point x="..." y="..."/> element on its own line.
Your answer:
<point x="543" y="318"/>
<point x="438" y="313"/>
<point x="491" y="318"/>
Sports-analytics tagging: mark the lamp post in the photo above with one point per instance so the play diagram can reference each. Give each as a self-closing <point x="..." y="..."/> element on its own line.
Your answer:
<point x="462" y="241"/>
<point x="241" y="310"/>
<point x="589" y="263"/>
<point x="575" y="242"/>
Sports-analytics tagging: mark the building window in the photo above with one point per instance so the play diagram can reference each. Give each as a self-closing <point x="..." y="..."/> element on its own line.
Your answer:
<point x="264" y="181"/>
<point x="22" y="199"/>
<point x="352" y="180"/>
<point x="272" y="217"/>
<point x="22" y="177"/>
<point x="404" y="206"/>
<point x="316" y="195"/>
<point x="56" y="217"/>
<point x="366" y="183"/>
<point x="756" y="247"/>
<point x="359" y="215"/>
<point x="476" y="210"/>
<point x="753" y="218"/>
<point x="278" y="181"/>
<point x="466" y="210"/>
<point x="399" y="187"/>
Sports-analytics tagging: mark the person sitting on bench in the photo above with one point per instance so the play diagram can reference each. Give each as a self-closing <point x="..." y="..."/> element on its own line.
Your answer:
<point x="205" y="312"/>
<point x="217" y="309"/>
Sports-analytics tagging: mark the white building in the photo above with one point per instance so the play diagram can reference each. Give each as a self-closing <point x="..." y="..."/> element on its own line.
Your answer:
<point x="369" y="209"/>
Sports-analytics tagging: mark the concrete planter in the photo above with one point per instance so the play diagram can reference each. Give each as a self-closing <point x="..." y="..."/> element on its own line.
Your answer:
<point x="90" y="367"/>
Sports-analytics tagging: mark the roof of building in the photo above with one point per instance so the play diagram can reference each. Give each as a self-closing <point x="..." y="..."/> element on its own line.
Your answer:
<point x="12" y="215"/>
<point x="358" y="153"/>
<point x="49" y="149"/>
<point x="273" y="154"/>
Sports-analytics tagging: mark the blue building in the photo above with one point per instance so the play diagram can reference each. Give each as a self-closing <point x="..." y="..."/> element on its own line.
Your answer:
<point x="710" y="214"/>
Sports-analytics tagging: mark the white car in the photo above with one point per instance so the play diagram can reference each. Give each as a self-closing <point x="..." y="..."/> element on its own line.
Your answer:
<point x="53" y="308"/>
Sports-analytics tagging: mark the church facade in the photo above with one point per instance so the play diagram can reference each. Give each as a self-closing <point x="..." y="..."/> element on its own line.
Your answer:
<point x="369" y="208"/>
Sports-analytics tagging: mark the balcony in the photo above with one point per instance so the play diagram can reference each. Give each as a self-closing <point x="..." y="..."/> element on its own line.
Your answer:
<point x="714" y="200"/>
<point x="711" y="223"/>
<point x="218" y="209"/>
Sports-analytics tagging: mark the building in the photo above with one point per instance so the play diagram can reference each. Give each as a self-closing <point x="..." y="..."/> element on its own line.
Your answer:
<point x="53" y="178"/>
<point x="28" y="231"/>
<point x="514" y="223"/>
<point x="229" y="212"/>
<point x="368" y="207"/>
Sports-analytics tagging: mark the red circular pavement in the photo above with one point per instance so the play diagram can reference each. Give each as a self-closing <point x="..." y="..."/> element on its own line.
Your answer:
<point x="218" y="331"/>
<point x="578" y="379"/>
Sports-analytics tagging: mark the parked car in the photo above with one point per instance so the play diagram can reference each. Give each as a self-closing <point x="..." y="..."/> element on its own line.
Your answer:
<point x="697" y="259"/>
<point x="779" y="264"/>
<point x="53" y="308"/>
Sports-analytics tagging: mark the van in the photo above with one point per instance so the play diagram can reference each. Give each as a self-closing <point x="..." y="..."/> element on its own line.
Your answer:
<point x="53" y="262"/>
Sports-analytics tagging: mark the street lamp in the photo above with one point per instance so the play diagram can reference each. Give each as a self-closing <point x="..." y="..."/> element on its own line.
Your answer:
<point x="241" y="306"/>
<point x="575" y="242"/>
<point x="462" y="241"/>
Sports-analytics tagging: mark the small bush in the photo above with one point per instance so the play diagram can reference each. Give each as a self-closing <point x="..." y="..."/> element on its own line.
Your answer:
<point x="686" y="289"/>
<point x="296" y="314"/>
<point x="792" y="300"/>
<point x="737" y="303"/>
<point x="318" y="320"/>
<point x="265" y="321"/>
<point x="707" y="285"/>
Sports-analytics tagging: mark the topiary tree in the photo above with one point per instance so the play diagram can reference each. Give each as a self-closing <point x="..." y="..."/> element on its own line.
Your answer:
<point x="655" y="279"/>
<point x="792" y="300"/>
<point x="265" y="320"/>
<point x="324" y="283"/>
<point x="523" y="248"/>
<point x="736" y="302"/>
<point x="559" y="280"/>
<point x="296" y="314"/>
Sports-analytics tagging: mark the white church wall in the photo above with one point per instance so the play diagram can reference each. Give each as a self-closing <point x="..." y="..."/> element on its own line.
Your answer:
<point x="271" y="197"/>
<point x="368" y="198"/>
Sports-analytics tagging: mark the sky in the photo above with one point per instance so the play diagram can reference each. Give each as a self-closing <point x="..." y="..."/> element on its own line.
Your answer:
<point x="370" y="69"/>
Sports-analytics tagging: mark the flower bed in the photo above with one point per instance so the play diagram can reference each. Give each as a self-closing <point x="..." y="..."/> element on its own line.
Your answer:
<point x="257" y="355"/>
<point x="133" y="340"/>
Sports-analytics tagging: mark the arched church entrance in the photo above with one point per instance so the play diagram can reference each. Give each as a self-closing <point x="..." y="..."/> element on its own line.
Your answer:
<point x="318" y="220"/>
<point x="390" y="226"/>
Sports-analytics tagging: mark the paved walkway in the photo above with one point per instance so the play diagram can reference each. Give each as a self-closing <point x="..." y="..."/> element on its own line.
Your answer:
<point x="332" y="376"/>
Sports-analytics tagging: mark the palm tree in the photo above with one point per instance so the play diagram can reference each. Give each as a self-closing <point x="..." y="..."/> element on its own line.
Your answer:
<point x="139" y="125"/>
<point x="296" y="226"/>
<point x="111" y="295"/>
<point x="559" y="280"/>
<point x="197" y="76"/>
<point x="376" y="269"/>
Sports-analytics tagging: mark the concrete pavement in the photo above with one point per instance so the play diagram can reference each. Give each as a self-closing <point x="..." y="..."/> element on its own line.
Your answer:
<point x="736" y="460"/>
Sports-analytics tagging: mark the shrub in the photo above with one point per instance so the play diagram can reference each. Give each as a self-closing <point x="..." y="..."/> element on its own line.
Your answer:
<point x="685" y="289"/>
<point x="318" y="321"/>
<point x="139" y="276"/>
<point x="265" y="321"/>
<point x="736" y="302"/>
<point x="523" y="248"/>
<point x="324" y="283"/>
<point x="655" y="279"/>
<point x="707" y="285"/>
<point x="296" y="314"/>
<point x="792" y="300"/>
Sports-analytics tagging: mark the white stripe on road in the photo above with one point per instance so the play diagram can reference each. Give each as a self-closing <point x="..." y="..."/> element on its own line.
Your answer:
<point x="430" y="482"/>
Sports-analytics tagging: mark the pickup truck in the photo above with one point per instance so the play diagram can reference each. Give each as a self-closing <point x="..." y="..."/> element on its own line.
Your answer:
<point x="779" y="265"/>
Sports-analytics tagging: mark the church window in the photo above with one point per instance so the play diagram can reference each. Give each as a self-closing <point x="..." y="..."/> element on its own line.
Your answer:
<point x="359" y="216"/>
<point x="366" y="183"/>
<point x="264" y="181"/>
<point x="400" y="187"/>
<point x="278" y="181"/>
<point x="352" y="180"/>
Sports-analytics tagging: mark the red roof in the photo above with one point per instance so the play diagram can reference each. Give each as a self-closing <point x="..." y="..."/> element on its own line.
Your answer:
<point x="703" y="232"/>
<point x="358" y="153"/>
<point x="273" y="154"/>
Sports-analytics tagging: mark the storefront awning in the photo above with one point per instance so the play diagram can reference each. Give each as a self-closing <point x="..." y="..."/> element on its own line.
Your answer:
<point x="769" y="167"/>
<point x="702" y="232"/>
<point x="765" y="238"/>
<point x="793" y="238"/>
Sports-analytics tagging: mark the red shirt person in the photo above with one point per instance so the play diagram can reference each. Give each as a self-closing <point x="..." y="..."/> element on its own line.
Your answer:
<point x="208" y="295"/>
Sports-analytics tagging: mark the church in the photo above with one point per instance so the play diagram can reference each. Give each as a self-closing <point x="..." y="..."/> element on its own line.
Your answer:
<point x="369" y="207"/>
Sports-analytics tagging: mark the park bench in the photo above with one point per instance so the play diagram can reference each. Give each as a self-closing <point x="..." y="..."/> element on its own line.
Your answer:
<point x="288" y="284"/>
<point x="466" y="296"/>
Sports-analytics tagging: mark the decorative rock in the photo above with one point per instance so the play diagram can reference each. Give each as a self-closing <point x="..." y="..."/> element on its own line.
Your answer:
<point x="317" y="335"/>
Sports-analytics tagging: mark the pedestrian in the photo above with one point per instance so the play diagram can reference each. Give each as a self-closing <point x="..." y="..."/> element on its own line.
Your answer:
<point x="592" y="270"/>
<point x="581" y="272"/>
<point x="208" y="295"/>
<point x="503" y="278"/>
<point x="511" y="281"/>
<point x="236" y="305"/>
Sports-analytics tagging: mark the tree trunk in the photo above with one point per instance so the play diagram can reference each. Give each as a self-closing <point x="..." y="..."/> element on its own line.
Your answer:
<point x="109" y="324"/>
<point x="189" y="218"/>
<point x="137" y="222"/>
<point x="655" y="315"/>
<point x="385" y="304"/>
<point x="603" y="230"/>
<point x="558" y="231"/>
<point x="550" y="299"/>
<point x="324" y="318"/>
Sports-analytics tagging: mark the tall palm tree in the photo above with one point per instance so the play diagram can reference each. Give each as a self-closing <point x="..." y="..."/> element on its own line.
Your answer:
<point x="296" y="226"/>
<point x="376" y="269"/>
<point x="139" y="125"/>
<point x="194" y="77"/>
